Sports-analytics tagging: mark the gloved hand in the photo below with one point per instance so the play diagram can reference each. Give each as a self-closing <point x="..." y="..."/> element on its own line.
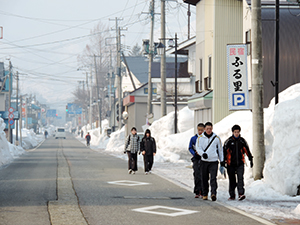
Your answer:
<point x="251" y="163"/>
<point x="205" y="156"/>
<point x="223" y="164"/>
<point x="125" y="152"/>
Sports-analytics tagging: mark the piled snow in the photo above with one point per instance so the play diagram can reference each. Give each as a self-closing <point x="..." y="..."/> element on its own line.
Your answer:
<point x="30" y="139"/>
<point x="116" y="141"/>
<point x="97" y="140"/>
<point x="185" y="119"/>
<point x="7" y="151"/>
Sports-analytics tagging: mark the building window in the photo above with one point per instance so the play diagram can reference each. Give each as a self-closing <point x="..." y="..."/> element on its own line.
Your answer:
<point x="201" y="75"/>
<point x="209" y="72"/>
<point x="248" y="41"/>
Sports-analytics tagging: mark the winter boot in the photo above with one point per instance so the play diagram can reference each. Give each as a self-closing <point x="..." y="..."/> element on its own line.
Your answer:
<point x="213" y="197"/>
<point x="205" y="197"/>
<point x="242" y="197"/>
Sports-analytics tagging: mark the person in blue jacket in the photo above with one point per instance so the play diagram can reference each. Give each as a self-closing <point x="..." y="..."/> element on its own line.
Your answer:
<point x="196" y="159"/>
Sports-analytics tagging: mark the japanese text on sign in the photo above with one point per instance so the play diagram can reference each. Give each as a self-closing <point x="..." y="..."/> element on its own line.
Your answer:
<point x="238" y="95"/>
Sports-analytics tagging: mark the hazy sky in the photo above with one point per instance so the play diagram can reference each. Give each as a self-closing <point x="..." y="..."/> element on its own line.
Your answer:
<point x="40" y="37"/>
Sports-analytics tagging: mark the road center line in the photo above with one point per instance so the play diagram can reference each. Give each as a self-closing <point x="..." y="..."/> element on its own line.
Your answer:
<point x="66" y="209"/>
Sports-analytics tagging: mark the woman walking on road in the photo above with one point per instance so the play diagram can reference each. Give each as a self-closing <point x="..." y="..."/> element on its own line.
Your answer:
<point x="132" y="148"/>
<point x="148" y="148"/>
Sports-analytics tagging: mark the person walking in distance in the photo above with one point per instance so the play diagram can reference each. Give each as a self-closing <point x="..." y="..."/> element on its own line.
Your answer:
<point x="235" y="148"/>
<point x="46" y="134"/>
<point x="148" y="149"/>
<point x="132" y="148"/>
<point x="88" y="139"/>
<point x="196" y="159"/>
<point x="209" y="147"/>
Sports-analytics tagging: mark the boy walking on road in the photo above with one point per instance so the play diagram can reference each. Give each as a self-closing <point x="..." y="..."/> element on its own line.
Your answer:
<point x="88" y="139"/>
<point x="235" y="148"/>
<point x="196" y="159"/>
<point x="132" y="148"/>
<point x="209" y="147"/>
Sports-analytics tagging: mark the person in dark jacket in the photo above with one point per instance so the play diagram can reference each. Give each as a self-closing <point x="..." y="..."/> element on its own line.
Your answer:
<point x="196" y="159"/>
<point x="148" y="149"/>
<point x="235" y="148"/>
<point x="132" y="148"/>
<point x="88" y="139"/>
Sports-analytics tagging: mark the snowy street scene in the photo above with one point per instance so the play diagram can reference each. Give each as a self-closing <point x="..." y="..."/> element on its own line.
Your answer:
<point x="150" y="112"/>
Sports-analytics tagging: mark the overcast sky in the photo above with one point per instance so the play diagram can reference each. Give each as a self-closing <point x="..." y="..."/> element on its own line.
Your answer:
<point x="36" y="34"/>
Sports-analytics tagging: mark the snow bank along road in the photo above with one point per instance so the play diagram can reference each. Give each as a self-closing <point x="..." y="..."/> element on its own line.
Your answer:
<point x="63" y="182"/>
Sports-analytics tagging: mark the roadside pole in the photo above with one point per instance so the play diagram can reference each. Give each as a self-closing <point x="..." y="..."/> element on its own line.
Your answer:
<point x="257" y="92"/>
<point x="163" y="61"/>
<point x="10" y="138"/>
<point x="17" y="109"/>
<point x="151" y="52"/>
<point x="21" y="120"/>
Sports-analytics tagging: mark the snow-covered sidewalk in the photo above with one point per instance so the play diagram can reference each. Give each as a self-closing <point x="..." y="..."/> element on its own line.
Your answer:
<point x="273" y="197"/>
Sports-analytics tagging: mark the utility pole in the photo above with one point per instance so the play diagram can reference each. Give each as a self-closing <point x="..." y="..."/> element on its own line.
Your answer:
<point x="189" y="21"/>
<point x="91" y="96"/>
<point x="10" y="138"/>
<point x="17" y="109"/>
<point x="119" y="78"/>
<point x="277" y="52"/>
<point x="151" y="52"/>
<point x="163" y="61"/>
<point x="109" y="80"/>
<point x="257" y="92"/>
<point x="26" y="114"/>
<point x="98" y="96"/>
<point x="175" y="101"/>
<point x="21" y="120"/>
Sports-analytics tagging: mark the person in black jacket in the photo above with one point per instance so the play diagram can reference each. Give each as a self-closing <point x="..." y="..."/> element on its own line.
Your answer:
<point x="235" y="148"/>
<point x="148" y="149"/>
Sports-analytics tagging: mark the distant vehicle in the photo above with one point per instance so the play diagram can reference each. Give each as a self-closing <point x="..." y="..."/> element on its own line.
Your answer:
<point x="60" y="133"/>
<point x="141" y="135"/>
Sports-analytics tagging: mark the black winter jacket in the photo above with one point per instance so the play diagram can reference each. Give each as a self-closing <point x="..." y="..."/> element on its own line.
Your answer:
<point x="234" y="150"/>
<point x="148" y="145"/>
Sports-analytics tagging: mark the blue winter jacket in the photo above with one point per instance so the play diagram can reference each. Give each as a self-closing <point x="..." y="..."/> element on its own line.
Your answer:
<point x="192" y="146"/>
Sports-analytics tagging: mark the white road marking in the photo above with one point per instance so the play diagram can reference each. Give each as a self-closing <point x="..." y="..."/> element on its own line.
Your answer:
<point x="128" y="183"/>
<point x="177" y="211"/>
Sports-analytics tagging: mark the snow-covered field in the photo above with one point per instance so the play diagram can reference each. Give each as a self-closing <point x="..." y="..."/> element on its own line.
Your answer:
<point x="273" y="197"/>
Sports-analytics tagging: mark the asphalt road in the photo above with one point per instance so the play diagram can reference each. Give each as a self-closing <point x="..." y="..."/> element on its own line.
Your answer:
<point x="63" y="182"/>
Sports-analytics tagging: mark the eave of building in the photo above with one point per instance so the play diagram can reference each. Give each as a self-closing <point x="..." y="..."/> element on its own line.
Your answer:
<point x="192" y="2"/>
<point x="181" y="49"/>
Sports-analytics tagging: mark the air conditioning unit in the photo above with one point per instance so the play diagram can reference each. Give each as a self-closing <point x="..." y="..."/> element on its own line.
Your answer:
<point x="198" y="86"/>
<point x="207" y="84"/>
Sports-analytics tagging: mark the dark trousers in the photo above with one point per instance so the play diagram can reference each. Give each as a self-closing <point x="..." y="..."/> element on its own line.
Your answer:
<point x="209" y="169"/>
<point x="197" y="176"/>
<point x="148" y="162"/>
<point x="132" y="161"/>
<point x="233" y="173"/>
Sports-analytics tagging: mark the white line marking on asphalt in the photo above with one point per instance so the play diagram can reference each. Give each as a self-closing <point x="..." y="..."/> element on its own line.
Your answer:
<point x="36" y="146"/>
<point x="128" y="183"/>
<point x="177" y="211"/>
<point x="184" y="186"/>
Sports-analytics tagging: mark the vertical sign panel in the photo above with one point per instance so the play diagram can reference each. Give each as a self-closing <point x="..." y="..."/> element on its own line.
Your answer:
<point x="238" y="93"/>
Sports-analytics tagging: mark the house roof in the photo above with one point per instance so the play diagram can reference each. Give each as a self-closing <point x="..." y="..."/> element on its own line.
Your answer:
<point x="139" y="65"/>
<point x="170" y="70"/>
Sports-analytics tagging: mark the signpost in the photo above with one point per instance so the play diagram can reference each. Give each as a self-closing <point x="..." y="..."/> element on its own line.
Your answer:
<point x="238" y="93"/>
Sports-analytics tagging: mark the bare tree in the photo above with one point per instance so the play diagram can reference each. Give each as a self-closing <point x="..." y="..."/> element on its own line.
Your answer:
<point x="97" y="51"/>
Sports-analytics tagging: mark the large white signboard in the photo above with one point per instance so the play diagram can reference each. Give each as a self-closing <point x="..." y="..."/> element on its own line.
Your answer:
<point x="238" y="93"/>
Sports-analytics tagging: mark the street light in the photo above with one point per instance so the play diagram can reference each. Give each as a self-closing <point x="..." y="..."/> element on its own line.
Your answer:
<point x="160" y="50"/>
